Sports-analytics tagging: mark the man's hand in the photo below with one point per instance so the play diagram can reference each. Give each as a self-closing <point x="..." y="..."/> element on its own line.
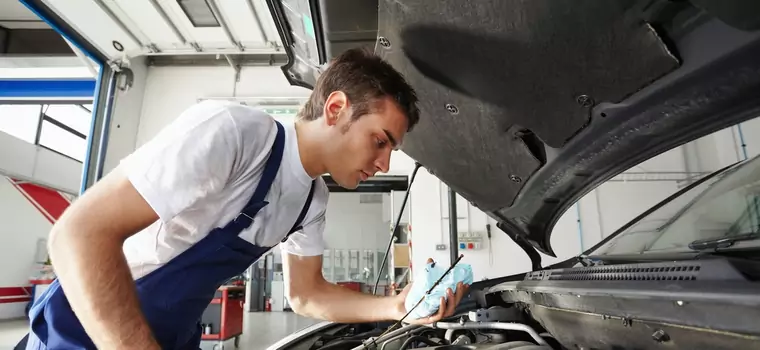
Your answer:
<point x="310" y="295"/>
<point x="448" y="304"/>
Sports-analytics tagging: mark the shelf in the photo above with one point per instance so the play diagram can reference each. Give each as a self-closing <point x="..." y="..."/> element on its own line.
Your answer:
<point x="218" y="336"/>
<point x="211" y="337"/>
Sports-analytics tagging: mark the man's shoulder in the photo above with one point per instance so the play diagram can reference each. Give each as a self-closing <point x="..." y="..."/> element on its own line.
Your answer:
<point x="245" y="118"/>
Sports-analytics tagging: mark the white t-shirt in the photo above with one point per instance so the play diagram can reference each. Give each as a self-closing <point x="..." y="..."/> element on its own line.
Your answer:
<point x="201" y="170"/>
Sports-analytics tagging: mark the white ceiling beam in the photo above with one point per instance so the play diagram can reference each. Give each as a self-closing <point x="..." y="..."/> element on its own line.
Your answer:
<point x="222" y="22"/>
<point x="169" y="23"/>
<point x="116" y="20"/>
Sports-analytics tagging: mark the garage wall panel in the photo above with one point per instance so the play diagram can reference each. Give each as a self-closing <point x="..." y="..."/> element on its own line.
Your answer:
<point x="125" y="120"/>
<point x="750" y="131"/>
<point x="52" y="168"/>
<point x="22" y="227"/>
<point x="16" y="156"/>
<point x="25" y="160"/>
<point x="170" y="90"/>
<point x="354" y="225"/>
<point x="427" y="228"/>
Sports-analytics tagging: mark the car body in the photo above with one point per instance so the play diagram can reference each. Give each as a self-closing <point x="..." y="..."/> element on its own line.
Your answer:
<point x="529" y="105"/>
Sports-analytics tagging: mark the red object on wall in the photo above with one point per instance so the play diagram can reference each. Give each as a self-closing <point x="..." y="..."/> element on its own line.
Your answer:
<point x="356" y="286"/>
<point x="15" y="295"/>
<point x="50" y="203"/>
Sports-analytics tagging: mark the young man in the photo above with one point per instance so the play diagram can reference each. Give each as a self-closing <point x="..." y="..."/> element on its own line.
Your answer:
<point x="142" y="252"/>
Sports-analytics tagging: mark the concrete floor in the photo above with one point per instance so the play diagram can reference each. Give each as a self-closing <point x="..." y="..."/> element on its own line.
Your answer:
<point x="11" y="332"/>
<point x="261" y="330"/>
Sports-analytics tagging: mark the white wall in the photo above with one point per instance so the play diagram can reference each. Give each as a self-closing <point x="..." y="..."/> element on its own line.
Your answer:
<point x="27" y="161"/>
<point x="169" y="90"/>
<point x="390" y="211"/>
<point x="125" y="119"/>
<point x="354" y="225"/>
<point x="22" y="226"/>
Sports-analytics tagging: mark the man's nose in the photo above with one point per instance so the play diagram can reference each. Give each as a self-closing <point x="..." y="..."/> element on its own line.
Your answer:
<point x="383" y="162"/>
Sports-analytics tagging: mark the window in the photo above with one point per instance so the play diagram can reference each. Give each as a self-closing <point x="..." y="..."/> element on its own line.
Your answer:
<point x="59" y="127"/>
<point x="72" y="116"/>
<point x="20" y="121"/>
<point x="63" y="141"/>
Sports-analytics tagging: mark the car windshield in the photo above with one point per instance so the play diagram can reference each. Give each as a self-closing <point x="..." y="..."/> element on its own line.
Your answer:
<point x="724" y="206"/>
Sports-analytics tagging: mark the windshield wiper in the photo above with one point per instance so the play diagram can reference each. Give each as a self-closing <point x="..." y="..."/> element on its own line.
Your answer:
<point x="722" y="242"/>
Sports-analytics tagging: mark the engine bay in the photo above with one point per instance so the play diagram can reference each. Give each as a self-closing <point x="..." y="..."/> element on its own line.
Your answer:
<point x="617" y="306"/>
<point x="496" y="327"/>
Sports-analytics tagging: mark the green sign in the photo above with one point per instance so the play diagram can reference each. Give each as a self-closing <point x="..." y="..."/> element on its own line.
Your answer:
<point x="280" y="111"/>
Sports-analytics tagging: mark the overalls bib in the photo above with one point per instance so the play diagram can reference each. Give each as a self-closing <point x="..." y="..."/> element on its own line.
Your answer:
<point x="174" y="296"/>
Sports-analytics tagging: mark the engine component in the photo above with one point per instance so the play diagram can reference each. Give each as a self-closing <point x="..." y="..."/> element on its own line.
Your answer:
<point x="519" y="345"/>
<point x="494" y="337"/>
<point x="461" y="340"/>
<point x="491" y="325"/>
<point x="515" y="345"/>
<point x="495" y="314"/>
<point x="458" y="333"/>
<point x="418" y="339"/>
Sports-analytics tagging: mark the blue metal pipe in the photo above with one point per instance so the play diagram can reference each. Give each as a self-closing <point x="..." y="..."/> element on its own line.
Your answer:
<point x="79" y="88"/>
<point x="90" y="140"/>
<point x="106" y="126"/>
<point x="741" y="139"/>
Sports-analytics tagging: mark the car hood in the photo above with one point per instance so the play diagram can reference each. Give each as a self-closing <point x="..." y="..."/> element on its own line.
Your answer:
<point x="526" y="105"/>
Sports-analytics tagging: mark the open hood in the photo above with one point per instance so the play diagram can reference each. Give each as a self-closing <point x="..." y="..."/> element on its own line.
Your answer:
<point x="527" y="105"/>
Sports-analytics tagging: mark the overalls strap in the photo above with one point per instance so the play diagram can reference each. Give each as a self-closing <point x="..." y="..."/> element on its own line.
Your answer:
<point x="297" y="226"/>
<point x="245" y="218"/>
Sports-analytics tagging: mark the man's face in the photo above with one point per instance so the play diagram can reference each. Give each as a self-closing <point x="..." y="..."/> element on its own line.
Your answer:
<point x="362" y="147"/>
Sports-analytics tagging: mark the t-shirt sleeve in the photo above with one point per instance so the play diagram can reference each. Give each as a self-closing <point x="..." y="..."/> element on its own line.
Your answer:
<point x="310" y="240"/>
<point x="192" y="158"/>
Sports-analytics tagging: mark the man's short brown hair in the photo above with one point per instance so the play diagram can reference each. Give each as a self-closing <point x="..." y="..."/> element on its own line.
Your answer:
<point x="365" y="78"/>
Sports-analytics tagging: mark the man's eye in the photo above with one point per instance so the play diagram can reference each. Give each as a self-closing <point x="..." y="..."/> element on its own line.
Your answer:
<point x="381" y="143"/>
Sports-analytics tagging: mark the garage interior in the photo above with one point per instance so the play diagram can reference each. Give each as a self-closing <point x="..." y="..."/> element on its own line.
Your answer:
<point x="63" y="125"/>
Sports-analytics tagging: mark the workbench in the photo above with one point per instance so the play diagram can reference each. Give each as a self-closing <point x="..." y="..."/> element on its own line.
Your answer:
<point x="225" y="315"/>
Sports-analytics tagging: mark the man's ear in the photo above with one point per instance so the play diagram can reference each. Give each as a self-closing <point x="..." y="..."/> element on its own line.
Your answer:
<point x="336" y="105"/>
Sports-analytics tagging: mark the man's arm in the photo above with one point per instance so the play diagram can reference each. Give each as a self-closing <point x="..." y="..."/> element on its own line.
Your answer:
<point x="311" y="295"/>
<point x="192" y="158"/>
<point x="85" y="247"/>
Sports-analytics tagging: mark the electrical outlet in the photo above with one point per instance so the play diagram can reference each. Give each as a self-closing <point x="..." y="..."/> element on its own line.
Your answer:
<point x="440" y="247"/>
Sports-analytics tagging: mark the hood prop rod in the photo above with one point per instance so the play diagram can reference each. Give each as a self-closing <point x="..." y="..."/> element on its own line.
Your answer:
<point x="395" y="226"/>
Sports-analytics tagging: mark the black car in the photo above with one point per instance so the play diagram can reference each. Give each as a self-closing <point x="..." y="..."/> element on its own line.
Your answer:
<point x="546" y="100"/>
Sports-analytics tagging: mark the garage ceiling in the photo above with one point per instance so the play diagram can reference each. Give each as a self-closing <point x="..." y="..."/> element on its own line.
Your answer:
<point x="130" y="28"/>
<point x="14" y="15"/>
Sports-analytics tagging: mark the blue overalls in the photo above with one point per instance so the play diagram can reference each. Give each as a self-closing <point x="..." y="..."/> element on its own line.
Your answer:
<point x="174" y="296"/>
